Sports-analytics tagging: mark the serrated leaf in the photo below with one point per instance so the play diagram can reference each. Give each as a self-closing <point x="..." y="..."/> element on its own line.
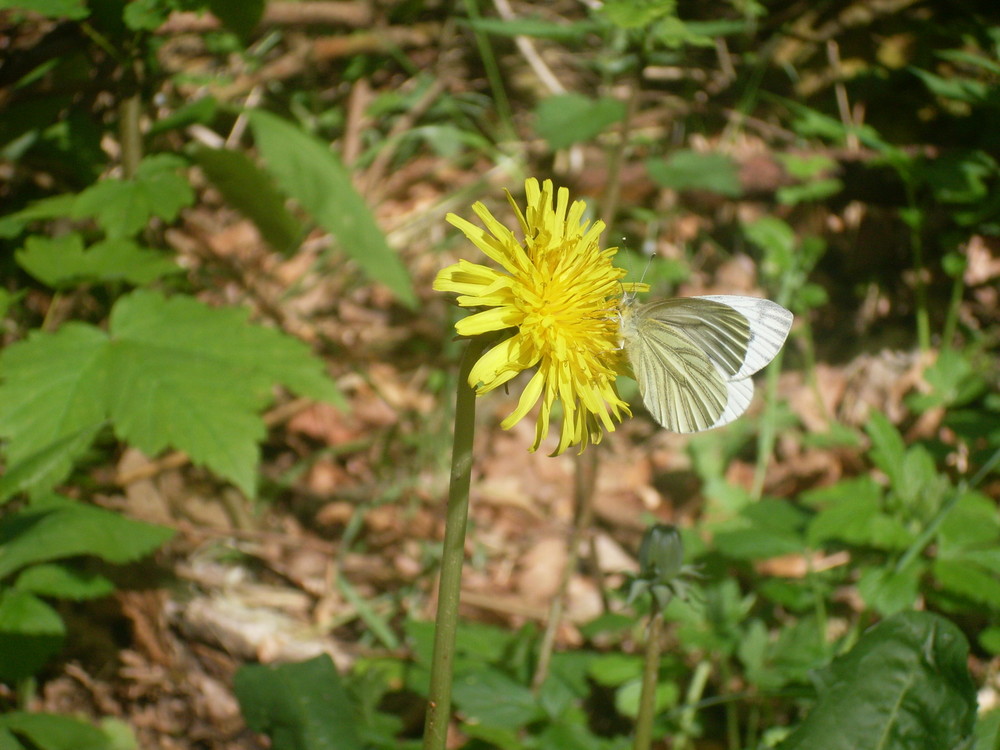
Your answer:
<point x="62" y="582"/>
<point x="62" y="261"/>
<point x="566" y="119"/>
<point x="172" y="372"/>
<point x="904" y="686"/>
<point x="169" y="373"/>
<point x="55" y="732"/>
<point x="53" y="387"/>
<point x="59" y="528"/>
<point x="251" y="191"/>
<point x="300" y="706"/>
<point x="49" y="464"/>
<point x="308" y="171"/>
<point x="694" y="170"/>
<point x="123" y="207"/>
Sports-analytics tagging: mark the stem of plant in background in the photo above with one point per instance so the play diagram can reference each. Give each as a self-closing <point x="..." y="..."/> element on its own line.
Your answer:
<point x="586" y="474"/>
<point x="452" y="554"/>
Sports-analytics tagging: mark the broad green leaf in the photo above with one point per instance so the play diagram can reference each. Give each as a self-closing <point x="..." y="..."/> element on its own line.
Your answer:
<point x="56" y="207"/>
<point x="887" y="590"/>
<point x="49" y="464"/>
<point x="988" y="730"/>
<point x="54" y="386"/>
<point x="55" y="732"/>
<point x="853" y="514"/>
<point x="565" y="119"/>
<point x="770" y="528"/>
<point x="614" y="669"/>
<point x="904" y="686"/>
<point x="123" y="207"/>
<point x="56" y="528"/>
<point x="308" y="171"/>
<point x="300" y="706"/>
<point x="968" y="580"/>
<point x="62" y="261"/>
<point x="974" y="521"/>
<point x="693" y="170"/>
<point x="173" y="365"/>
<point x="72" y="10"/>
<point x="252" y="192"/>
<point x="168" y="373"/>
<point x="628" y="695"/>
<point x="489" y="697"/>
<point x="239" y="16"/>
<point x="63" y="582"/>
<point x="30" y="633"/>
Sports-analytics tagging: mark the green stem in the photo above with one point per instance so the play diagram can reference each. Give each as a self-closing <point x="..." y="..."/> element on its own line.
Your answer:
<point x="650" y="680"/>
<point x="696" y="689"/>
<point x="494" y="76"/>
<point x="452" y="555"/>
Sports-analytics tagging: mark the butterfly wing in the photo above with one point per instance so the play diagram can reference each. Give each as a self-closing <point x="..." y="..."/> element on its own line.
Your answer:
<point x="693" y="357"/>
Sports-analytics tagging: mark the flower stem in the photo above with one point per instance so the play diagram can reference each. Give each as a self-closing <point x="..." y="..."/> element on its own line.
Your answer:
<point x="452" y="555"/>
<point x="650" y="674"/>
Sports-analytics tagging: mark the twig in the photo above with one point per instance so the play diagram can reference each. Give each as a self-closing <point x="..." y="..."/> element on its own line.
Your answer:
<point x="527" y="48"/>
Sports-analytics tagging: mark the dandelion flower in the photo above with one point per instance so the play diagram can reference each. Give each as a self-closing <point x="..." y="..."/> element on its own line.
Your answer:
<point x="558" y="293"/>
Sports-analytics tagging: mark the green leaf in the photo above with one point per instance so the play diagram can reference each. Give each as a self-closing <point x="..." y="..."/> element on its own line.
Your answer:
<point x="300" y="706"/>
<point x="988" y="731"/>
<point x="123" y="207"/>
<point x="887" y="590"/>
<point x="489" y="697"/>
<point x="634" y="14"/>
<point x="854" y="515"/>
<point x="888" y="449"/>
<point x="164" y="374"/>
<point x="904" y="686"/>
<point x="628" y="695"/>
<point x="694" y="170"/>
<point x="72" y="10"/>
<point x="55" y="732"/>
<point x="56" y="207"/>
<point x="776" y="238"/>
<point x="62" y="261"/>
<point x="239" y="16"/>
<point x="57" y="528"/>
<point x="968" y="580"/>
<point x="63" y="582"/>
<point x="53" y="390"/>
<point x="539" y="28"/>
<point x="772" y="528"/>
<point x="566" y="119"/>
<point x="307" y="170"/>
<point x="31" y="632"/>
<point x="252" y="192"/>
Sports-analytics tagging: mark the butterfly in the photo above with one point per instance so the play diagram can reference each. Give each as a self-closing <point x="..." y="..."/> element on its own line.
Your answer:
<point x="693" y="356"/>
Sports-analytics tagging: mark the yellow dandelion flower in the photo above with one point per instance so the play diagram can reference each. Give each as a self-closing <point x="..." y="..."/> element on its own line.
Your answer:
<point x="559" y="294"/>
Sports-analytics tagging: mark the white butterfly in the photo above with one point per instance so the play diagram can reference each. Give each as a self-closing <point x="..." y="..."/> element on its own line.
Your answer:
<point x="693" y="356"/>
